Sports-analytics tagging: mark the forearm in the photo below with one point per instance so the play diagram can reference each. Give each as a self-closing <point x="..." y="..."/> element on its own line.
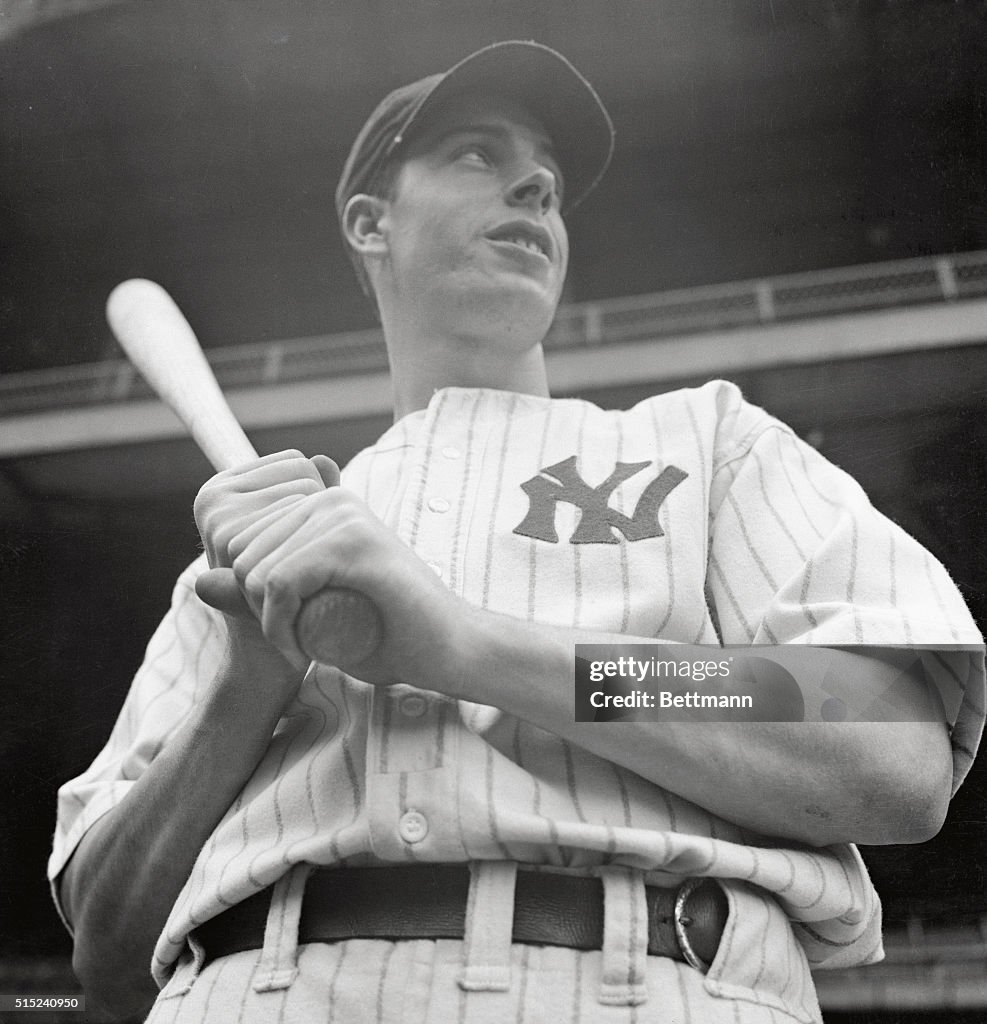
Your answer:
<point x="815" y="782"/>
<point x="124" y="877"/>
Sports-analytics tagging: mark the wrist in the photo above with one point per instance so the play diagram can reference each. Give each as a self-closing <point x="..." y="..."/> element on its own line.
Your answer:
<point x="247" y="649"/>
<point x="457" y="668"/>
<point x="242" y="711"/>
<point x="253" y="677"/>
<point x="511" y="664"/>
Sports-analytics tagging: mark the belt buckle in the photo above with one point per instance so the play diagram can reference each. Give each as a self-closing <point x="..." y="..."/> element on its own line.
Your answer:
<point x="682" y="922"/>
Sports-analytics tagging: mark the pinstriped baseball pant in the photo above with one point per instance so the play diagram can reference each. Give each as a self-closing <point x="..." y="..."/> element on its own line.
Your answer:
<point x="374" y="981"/>
<point x="759" y="976"/>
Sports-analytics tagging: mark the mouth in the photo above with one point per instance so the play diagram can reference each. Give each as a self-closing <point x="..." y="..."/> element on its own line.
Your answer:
<point x="527" y="236"/>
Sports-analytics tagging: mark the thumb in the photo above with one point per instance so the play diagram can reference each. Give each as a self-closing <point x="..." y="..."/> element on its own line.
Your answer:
<point x="328" y="470"/>
<point x="218" y="589"/>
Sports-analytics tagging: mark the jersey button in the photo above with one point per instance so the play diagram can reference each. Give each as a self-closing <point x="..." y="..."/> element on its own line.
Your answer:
<point x="413" y="826"/>
<point x="438" y="505"/>
<point x="436" y="568"/>
<point x="413" y="706"/>
<point x="451" y="452"/>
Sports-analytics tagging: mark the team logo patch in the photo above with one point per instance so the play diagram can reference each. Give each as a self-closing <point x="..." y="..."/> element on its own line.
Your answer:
<point x="598" y="520"/>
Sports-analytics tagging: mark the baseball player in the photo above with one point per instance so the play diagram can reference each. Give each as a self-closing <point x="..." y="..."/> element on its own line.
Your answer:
<point x="428" y="835"/>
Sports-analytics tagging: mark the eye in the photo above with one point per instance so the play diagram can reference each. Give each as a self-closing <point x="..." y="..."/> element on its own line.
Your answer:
<point x="474" y="153"/>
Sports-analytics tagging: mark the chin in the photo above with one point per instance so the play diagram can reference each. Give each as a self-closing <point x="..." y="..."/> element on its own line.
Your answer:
<point x="524" y="314"/>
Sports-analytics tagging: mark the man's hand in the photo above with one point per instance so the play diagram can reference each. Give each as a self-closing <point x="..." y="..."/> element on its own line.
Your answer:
<point x="247" y="496"/>
<point x="333" y="539"/>
<point x="287" y="531"/>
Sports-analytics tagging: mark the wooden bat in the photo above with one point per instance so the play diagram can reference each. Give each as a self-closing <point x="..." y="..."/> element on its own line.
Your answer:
<point x="337" y="626"/>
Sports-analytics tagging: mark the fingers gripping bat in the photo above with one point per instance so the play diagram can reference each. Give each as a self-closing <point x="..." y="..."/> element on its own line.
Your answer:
<point x="335" y="626"/>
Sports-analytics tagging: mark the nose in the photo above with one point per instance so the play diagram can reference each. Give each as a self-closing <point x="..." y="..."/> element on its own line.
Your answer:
<point x="538" y="189"/>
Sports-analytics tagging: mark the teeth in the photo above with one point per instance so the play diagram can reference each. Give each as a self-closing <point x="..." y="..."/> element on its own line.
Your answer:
<point x="525" y="243"/>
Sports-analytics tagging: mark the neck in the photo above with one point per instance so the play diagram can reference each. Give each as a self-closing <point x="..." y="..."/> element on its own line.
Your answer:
<point x="424" y="361"/>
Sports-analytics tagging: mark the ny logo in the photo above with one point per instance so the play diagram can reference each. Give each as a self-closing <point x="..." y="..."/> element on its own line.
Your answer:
<point x="562" y="482"/>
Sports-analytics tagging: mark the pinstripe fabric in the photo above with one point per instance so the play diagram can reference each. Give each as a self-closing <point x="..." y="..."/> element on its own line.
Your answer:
<point x="763" y="541"/>
<point x="376" y="982"/>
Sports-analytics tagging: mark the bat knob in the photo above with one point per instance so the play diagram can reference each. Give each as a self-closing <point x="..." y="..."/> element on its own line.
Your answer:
<point x="339" y="626"/>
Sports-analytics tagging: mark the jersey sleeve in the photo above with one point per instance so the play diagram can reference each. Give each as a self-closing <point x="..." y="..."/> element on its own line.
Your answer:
<point x="185" y="650"/>
<point x="798" y="554"/>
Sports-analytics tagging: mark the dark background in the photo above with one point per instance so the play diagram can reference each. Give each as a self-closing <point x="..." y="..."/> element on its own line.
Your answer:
<point x="198" y="142"/>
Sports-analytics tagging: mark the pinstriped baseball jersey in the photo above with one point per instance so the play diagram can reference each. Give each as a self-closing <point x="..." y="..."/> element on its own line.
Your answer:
<point x="693" y="517"/>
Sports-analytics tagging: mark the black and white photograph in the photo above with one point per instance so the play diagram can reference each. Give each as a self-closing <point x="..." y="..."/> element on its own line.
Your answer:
<point x="492" y="502"/>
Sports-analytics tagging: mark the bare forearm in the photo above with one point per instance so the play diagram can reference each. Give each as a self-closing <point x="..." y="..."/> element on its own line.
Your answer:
<point x="815" y="782"/>
<point x="124" y="877"/>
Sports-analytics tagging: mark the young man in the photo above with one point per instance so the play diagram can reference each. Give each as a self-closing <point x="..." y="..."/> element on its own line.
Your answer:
<point x="428" y="835"/>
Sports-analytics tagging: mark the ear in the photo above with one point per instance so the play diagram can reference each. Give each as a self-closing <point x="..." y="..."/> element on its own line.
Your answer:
<point x="364" y="224"/>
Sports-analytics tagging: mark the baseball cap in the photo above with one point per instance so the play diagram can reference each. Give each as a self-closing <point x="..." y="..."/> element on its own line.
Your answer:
<point x="542" y="79"/>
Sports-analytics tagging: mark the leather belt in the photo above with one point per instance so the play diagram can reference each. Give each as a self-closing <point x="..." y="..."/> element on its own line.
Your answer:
<point x="428" y="901"/>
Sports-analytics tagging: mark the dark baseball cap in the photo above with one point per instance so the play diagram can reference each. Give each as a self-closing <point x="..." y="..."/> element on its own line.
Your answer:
<point x="536" y="75"/>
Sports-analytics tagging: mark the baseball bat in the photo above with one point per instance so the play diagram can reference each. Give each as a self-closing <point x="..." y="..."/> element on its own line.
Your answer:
<point x="337" y="626"/>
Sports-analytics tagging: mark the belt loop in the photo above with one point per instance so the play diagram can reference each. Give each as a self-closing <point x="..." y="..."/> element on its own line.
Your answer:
<point x="489" y="925"/>
<point x="625" y="937"/>
<point x="278" y="965"/>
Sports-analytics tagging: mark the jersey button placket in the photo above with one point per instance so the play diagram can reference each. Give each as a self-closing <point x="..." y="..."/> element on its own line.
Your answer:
<point x="445" y="501"/>
<point x="439" y="505"/>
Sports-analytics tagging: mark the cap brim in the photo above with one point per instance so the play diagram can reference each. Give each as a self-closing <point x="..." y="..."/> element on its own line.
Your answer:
<point x="552" y="89"/>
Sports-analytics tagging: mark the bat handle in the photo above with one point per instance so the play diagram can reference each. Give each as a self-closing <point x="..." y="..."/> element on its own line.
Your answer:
<point x="336" y="626"/>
